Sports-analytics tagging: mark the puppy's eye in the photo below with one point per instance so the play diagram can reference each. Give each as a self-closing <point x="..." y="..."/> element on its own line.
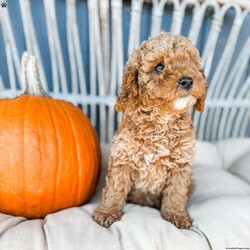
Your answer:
<point x="159" y="67"/>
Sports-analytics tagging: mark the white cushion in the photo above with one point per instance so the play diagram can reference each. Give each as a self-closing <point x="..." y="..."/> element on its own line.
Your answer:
<point x="219" y="207"/>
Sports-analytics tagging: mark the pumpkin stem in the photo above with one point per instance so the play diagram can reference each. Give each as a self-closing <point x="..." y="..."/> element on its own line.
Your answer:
<point x="30" y="76"/>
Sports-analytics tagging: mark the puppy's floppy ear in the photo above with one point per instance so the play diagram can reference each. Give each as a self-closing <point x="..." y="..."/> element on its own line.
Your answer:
<point x="200" y="103"/>
<point x="129" y="90"/>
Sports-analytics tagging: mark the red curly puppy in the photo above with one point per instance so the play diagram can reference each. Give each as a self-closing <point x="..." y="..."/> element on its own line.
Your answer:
<point x="154" y="146"/>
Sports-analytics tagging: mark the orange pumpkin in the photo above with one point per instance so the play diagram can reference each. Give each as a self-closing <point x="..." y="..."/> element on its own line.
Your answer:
<point x="49" y="155"/>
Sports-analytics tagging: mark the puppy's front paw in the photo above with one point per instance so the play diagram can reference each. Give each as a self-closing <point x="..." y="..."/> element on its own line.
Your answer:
<point x="106" y="219"/>
<point x="181" y="220"/>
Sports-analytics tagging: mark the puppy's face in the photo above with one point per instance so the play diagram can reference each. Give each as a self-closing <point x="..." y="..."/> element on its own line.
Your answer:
<point x="170" y="75"/>
<point x="165" y="72"/>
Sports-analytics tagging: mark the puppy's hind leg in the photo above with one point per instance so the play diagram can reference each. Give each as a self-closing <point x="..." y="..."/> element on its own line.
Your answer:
<point x="114" y="194"/>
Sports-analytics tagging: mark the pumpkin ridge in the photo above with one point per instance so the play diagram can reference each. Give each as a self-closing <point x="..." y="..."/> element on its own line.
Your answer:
<point x="96" y="152"/>
<point x="40" y="153"/>
<point x="57" y="148"/>
<point x="40" y="135"/>
<point x="76" y="148"/>
<point x="24" y="153"/>
<point x="6" y="101"/>
<point x="35" y="120"/>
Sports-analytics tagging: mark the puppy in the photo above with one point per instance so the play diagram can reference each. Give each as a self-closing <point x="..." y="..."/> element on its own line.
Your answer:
<point x="153" y="148"/>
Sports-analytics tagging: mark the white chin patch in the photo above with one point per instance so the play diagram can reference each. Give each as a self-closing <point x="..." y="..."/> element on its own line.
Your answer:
<point x="184" y="102"/>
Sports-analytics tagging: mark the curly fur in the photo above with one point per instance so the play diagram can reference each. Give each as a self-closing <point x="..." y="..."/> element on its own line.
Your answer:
<point x="153" y="148"/>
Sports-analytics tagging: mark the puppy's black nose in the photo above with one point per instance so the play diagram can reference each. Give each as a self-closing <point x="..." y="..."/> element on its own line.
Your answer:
<point x="185" y="82"/>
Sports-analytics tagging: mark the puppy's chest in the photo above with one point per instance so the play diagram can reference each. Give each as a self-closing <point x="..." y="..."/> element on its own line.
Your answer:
<point x="152" y="165"/>
<point x="162" y="147"/>
<point x="150" y="178"/>
<point x="155" y="147"/>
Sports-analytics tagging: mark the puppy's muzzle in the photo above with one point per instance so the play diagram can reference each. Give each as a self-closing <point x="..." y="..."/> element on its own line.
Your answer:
<point x="185" y="82"/>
